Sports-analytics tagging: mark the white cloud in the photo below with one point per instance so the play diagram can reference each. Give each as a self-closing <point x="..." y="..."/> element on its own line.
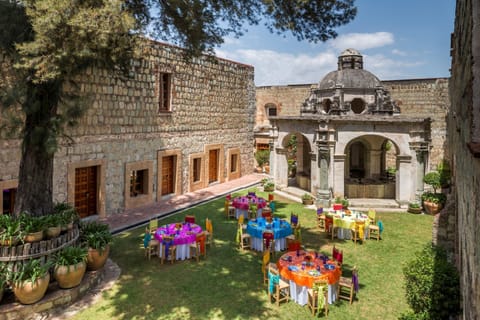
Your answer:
<point x="362" y="41"/>
<point x="386" y="68"/>
<point x="399" y="52"/>
<point x="276" y="68"/>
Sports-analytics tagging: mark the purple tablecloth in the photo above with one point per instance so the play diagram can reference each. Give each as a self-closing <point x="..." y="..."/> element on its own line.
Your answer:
<point x="185" y="235"/>
<point x="244" y="202"/>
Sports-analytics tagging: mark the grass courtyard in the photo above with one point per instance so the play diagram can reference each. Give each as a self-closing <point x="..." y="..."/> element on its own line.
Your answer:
<point x="228" y="284"/>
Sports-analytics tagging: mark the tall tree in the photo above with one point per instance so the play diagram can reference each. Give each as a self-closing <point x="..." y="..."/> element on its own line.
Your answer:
<point x="48" y="42"/>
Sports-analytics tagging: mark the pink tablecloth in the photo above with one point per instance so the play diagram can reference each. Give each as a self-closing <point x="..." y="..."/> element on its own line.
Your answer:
<point x="244" y="202"/>
<point x="185" y="235"/>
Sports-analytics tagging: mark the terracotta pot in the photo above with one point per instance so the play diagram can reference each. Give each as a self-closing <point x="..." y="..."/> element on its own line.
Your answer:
<point x="307" y="201"/>
<point x="95" y="260"/>
<point x="53" y="232"/>
<point x="69" y="276"/>
<point x="415" y="210"/>
<point x="431" y="207"/>
<point x="28" y="292"/>
<point x="34" y="237"/>
<point x="9" y="243"/>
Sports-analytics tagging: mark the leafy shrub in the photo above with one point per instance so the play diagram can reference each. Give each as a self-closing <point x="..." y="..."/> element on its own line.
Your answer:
<point x="70" y="256"/>
<point x="95" y="235"/>
<point x="438" y="198"/>
<point x="433" y="179"/>
<point x="432" y="285"/>
<point x="307" y="196"/>
<point x="262" y="157"/>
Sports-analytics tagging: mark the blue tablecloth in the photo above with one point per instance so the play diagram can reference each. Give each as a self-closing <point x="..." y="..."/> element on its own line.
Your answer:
<point x="280" y="228"/>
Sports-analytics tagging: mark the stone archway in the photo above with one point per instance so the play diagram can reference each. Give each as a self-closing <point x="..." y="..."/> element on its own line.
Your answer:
<point x="297" y="150"/>
<point x="368" y="167"/>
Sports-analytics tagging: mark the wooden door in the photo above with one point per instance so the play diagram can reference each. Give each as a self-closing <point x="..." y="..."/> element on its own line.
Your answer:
<point x="86" y="191"/>
<point x="9" y="200"/>
<point x="212" y="166"/>
<point x="168" y="169"/>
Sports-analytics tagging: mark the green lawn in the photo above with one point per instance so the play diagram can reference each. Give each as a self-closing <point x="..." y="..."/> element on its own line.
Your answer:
<point x="228" y="284"/>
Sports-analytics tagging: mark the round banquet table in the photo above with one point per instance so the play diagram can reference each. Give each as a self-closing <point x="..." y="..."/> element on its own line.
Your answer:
<point x="303" y="269"/>
<point x="280" y="228"/>
<point x="182" y="237"/>
<point x="242" y="204"/>
<point x="345" y="222"/>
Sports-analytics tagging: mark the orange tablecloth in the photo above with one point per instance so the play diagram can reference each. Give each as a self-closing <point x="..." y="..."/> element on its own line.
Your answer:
<point x="301" y="277"/>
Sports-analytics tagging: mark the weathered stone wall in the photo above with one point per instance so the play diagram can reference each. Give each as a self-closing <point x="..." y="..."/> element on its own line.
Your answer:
<point x="213" y="103"/>
<point x="464" y="141"/>
<point x="418" y="98"/>
<point x="425" y="98"/>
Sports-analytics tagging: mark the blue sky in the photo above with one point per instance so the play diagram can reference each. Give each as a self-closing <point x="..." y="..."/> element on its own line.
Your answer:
<point x="399" y="39"/>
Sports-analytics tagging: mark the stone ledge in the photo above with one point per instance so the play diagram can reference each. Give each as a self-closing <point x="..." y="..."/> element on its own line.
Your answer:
<point x="58" y="303"/>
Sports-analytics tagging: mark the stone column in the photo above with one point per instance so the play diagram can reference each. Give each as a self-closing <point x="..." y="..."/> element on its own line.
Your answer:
<point x="339" y="174"/>
<point x="374" y="169"/>
<point x="281" y="167"/>
<point x="300" y="154"/>
<point x="404" y="190"/>
<point x="323" y="191"/>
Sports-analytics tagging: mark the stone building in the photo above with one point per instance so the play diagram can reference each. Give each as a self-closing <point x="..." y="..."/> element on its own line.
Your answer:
<point x="356" y="136"/>
<point x="464" y="145"/>
<point x="173" y="127"/>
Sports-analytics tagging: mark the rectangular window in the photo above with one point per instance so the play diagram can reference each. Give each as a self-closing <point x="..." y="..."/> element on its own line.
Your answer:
<point x="272" y="112"/>
<point x="138" y="182"/>
<point x="233" y="163"/>
<point x="197" y="167"/>
<point x="165" y="84"/>
<point x="263" y="146"/>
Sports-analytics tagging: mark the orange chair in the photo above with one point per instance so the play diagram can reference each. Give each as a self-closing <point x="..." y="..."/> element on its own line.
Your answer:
<point x="198" y="248"/>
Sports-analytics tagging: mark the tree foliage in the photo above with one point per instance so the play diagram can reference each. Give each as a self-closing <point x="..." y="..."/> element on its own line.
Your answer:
<point x="47" y="43"/>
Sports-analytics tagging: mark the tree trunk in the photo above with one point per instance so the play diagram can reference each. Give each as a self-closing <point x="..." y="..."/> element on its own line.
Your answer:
<point x="34" y="192"/>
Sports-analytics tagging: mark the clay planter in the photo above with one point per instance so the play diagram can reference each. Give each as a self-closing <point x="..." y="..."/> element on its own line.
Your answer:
<point x="415" y="210"/>
<point x="53" y="232"/>
<point x="69" y="276"/>
<point x="431" y="207"/>
<point x="28" y="292"/>
<point x="34" y="237"/>
<point x="307" y="201"/>
<point x="95" y="260"/>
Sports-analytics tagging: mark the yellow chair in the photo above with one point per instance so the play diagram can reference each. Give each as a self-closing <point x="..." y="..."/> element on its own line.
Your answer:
<point x="244" y="238"/>
<point x="153" y="226"/>
<point x="372" y="216"/>
<point x="265" y="262"/>
<point x="347" y="287"/>
<point x="374" y="231"/>
<point x="241" y="220"/>
<point x="229" y="210"/>
<point x="209" y="231"/>
<point x="318" y="297"/>
<point x="358" y="231"/>
<point x="278" y="289"/>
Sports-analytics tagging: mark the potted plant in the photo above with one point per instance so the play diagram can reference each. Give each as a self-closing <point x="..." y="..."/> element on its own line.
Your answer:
<point x="30" y="281"/>
<point x="97" y="238"/>
<point x="269" y="186"/>
<point x="52" y="225"/>
<point x="307" y="198"/>
<point x="11" y="231"/>
<point x="414" y="207"/>
<point x="68" y="215"/>
<point x="433" y="201"/>
<point x="33" y="227"/>
<point x="70" y="266"/>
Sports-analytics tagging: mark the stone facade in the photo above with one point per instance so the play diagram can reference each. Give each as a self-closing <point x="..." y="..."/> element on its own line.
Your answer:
<point x="127" y="134"/>
<point x="416" y="98"/>
<point x="464" y="142"/>
<point x="348" y="118"/>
